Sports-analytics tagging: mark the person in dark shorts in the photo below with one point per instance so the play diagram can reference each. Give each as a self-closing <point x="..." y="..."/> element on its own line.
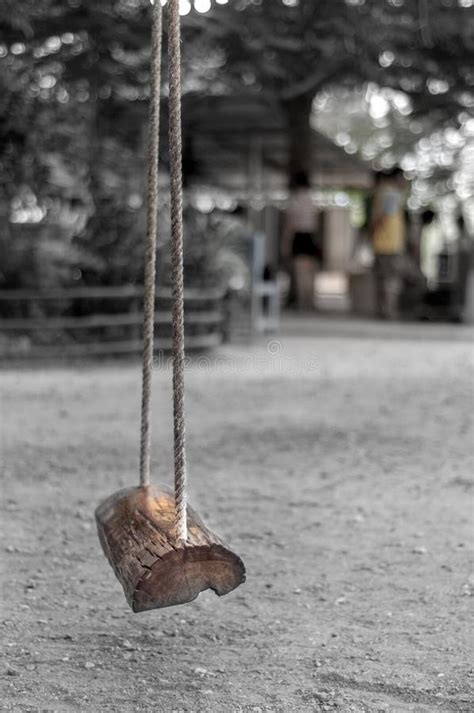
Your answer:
<point x="300" y="244"/>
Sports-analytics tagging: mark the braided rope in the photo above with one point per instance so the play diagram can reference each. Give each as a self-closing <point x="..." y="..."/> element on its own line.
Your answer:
<point x="176" y="197"/>
<point x="150" y="251"/>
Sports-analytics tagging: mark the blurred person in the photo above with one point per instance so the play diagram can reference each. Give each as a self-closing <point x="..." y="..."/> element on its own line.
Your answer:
<point x="412" y="242"/>
<point x="413" y="282"/>
<point x="363" y="256"/>
<point x="465" y="246"/>
<point x="431" y="244"/>
<point x="388" y="231"/>
<point x="466" y="259"/>
<point x="447" y="264"/>
<point x="369" y="201"/>
<point x="300" y="244"/>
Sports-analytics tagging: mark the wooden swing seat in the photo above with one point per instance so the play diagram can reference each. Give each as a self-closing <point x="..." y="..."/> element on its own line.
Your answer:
<point x="137" y="533"/>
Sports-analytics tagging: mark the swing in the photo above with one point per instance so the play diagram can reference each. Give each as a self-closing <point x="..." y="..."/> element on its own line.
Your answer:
<point x="159" y="548"/>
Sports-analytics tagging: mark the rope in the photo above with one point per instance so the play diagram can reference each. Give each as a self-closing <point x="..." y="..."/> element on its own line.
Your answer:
<point x="150" y="252"/>
<point x="176" y="197"/>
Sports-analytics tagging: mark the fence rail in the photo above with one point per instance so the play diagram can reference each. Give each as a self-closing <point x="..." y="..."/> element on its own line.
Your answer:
<point x="192" y="294"/>
<point x="105" y="320"/>
<point x="204" y="322"/>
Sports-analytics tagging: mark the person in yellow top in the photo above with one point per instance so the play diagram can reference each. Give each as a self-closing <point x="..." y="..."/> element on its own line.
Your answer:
<point x="388" y="229"/>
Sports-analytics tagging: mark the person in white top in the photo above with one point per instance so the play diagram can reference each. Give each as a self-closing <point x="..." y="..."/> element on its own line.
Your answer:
<point x="300" y="245"/>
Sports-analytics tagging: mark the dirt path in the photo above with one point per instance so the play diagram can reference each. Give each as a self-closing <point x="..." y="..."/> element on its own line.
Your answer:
<point x="340" y="471"/>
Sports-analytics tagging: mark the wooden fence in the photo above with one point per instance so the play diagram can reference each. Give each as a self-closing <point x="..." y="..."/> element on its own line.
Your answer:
<point x="29" y="331"/>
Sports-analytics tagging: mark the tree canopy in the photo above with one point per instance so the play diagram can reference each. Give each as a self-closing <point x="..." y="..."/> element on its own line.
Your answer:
<point x="74" y="88"/>
<point x="289" y="49"/>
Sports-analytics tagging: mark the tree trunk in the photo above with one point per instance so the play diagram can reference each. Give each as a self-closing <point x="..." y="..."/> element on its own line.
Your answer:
<point x="298" y="113"/>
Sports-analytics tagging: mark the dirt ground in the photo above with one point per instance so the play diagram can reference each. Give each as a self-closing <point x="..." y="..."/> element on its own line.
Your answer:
<point x="339" y="468"/>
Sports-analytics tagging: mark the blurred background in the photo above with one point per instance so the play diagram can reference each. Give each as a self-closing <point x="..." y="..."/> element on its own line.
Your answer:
<point x="283" y="99"/>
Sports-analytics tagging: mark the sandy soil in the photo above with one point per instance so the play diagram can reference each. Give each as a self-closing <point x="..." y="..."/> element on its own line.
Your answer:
<point x="340" y="470"/>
